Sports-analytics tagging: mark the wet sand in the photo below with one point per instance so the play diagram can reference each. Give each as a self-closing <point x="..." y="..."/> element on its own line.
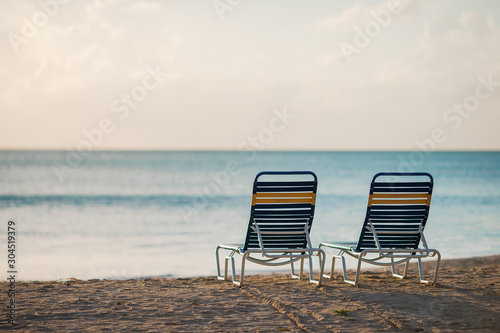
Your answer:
<point x="466" y="297"/>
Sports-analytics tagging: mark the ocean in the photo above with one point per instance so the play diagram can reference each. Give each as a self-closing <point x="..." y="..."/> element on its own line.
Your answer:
<point x="130" y="214"/>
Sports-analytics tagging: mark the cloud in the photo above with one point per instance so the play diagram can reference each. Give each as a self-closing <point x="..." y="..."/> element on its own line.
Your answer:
<point x="144" y="6"/>
<point x="359" y="16"/>
<point x="346" y="20"/>
<point x="453" y="46"/>
<point x="226" y="77"/>
<point x="410" y="73"/>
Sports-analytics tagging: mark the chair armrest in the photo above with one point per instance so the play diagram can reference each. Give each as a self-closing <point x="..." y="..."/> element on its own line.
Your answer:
<point x="420" y="231"/>
<point x="265" y="253"/>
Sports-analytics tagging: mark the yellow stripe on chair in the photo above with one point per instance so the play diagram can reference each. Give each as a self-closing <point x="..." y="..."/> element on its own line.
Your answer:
<point x="264" y="197"/>
<point x="399" y="199"/>
<point x="399" y="195"/>
<point x="304" y="200"/>
<point x="285" y="195"/>
<point x="400" y="202"/>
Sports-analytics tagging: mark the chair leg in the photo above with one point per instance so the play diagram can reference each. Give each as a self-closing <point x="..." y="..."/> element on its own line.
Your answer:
<point x="358" y="269"/>
<point x="322" y="268"/>
<point x="344" y="270"/>
<point x="219" y="276"/>
<point x="217" y="261"/>
<point x="405" y="272"/>
<point x="311" y="272"/>
<point x="436" y="268"/>
<point x="407" y="266"/>
<point x="322" y="258"/>
<point x="301" y="268"/>
<point x="233" y="269"/>
<point x="301" y="271"/>
<point x="242" y="272"/>
<point x="420" y="272"/>
<point x="332" y="268"/>
<point x="226" y="262"/>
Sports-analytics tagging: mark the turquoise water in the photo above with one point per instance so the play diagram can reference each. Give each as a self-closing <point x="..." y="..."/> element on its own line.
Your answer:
<point x="137" y="214"/>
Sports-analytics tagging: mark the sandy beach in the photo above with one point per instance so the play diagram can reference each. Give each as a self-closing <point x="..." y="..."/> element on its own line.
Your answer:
<point x="466" y="297"/>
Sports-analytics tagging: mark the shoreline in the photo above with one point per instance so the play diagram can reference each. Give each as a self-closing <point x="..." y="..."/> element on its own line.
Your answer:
<point x="466" y="297"/>
<point x="252" y="271"/>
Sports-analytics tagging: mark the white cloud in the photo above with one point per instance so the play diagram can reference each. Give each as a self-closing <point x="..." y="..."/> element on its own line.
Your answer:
<point x="359" y="16"/>
<point x="144" y="6"/>
<point x="346" y="20"/>
<point x="226" y="77"/>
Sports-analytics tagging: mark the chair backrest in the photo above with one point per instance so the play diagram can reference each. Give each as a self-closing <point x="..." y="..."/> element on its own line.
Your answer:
<point x="398" y="202"/>
<point x="281" y="201"/>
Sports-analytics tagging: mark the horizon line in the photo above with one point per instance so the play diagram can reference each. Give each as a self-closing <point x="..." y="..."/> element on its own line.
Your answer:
<point x="230" y="150"/>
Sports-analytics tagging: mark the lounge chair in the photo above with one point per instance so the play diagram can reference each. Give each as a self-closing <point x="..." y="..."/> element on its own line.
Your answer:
<point x="398" y="207"/>
<point x="281" y="216"/>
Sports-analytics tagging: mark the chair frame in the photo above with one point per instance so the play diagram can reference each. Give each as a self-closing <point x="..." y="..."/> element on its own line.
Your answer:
<point x="274" y="256"/>
<point x="397" y="256"/>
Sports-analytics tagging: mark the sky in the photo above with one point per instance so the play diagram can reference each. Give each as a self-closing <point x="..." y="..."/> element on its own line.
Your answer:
<point x="249" y="74"/>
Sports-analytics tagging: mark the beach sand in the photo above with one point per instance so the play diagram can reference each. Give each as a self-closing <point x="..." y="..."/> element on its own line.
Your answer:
<point x="466" y="297"/>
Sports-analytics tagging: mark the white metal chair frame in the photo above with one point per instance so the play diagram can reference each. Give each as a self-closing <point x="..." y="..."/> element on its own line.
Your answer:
<point x="386" y="253"/>
<point x="271" y="255"/>
<point x="389" y="202"/>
